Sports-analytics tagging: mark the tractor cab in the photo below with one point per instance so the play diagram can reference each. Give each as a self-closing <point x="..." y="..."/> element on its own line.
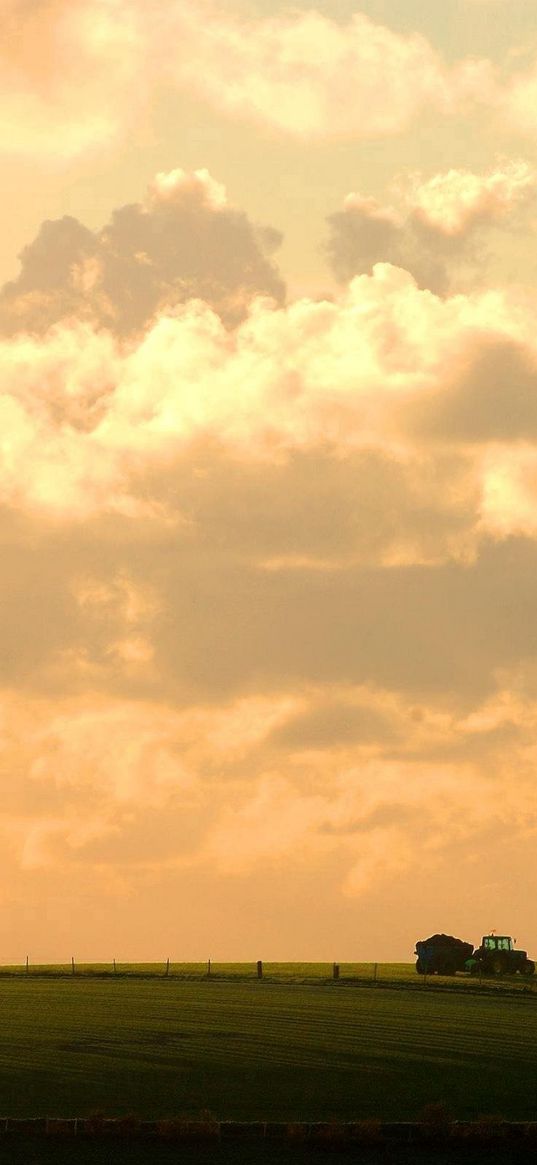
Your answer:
<point x="496" y="942"/>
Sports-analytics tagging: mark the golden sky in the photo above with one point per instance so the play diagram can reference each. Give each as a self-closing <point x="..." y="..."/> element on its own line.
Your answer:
<point x="268" y="472"/>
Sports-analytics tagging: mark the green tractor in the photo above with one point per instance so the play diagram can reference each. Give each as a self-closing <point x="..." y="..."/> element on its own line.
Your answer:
<point x="497" y="956"/>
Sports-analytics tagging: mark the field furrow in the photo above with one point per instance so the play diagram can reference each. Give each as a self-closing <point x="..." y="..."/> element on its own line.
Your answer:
<point x="249" y="1049"/>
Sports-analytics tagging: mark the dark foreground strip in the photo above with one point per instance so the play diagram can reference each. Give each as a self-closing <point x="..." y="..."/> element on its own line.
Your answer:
<point x="487" y="1132"/>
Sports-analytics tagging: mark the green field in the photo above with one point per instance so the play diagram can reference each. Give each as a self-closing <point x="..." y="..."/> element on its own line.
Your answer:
<point x="280" y="971"/>
<point x="398" y="973"/>
<point x="252" y="1050"/>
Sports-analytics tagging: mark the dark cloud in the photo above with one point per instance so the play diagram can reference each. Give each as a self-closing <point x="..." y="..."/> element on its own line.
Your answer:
<point x="224" y="625"/>
<point x="359" y="238"/>
<point x="357" y="241"/>
<point x="394" y="814"/>
<point x="491" y="396"/>
<point x="333" y="724"/>
<point x="485" y="747"/>
<point x="317" y="503"/>
<point x="436" y="631"/>
<point x="148" y="258"/>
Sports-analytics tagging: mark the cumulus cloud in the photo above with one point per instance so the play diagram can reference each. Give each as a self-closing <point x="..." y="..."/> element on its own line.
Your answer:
<point x="185" y="241"/>
<point x="266" y="604"/>
<point x="76" y="75"/>
<point x="354" y="383"/>
<point x="365" y="233"/>
<point x="311" y="77"/>
<point x="436" y="229"/>
<point x="454" y="202"/>
<point x="306" y="74"/>
<point x="492" y="397"/>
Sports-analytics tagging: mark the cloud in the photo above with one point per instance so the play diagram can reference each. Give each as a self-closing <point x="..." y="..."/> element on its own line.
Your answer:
<point x="143" y="788"/>
<point x="226" y="548"/>
<point x="454" y="202"/>
<point x="306" y="74"/>
<point x="438" y="232"/>
<point x="78" y="76"/>
<point x="267" y="612"/>
<point x="72" y="75"/>
<point x="510" y="490"/>
<point x="313" y="78"/>
<point x="517" y="104"/>
<point x="184" y="242"/>
<point x="364" y="233"/>
<point x="350" y="388"/>
<point x="492" y="398"/>
<point x="267" y="601"/>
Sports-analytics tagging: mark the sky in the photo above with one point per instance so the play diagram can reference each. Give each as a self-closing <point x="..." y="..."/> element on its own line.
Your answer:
<point x="268" y="477"/>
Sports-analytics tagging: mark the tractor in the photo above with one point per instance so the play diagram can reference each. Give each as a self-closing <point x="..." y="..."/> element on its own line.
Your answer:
<point x="497" y="956"/>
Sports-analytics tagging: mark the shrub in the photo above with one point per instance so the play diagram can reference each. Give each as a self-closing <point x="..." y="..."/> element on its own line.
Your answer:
<point x="530" y="1131"/>
<point x="56" y="1127"/>
<point x="488" y="1127"/>
<point x="333" y="1137"/>
<point x="93" y="1124"/>
<point x="436" y="1118"/>
<point x="367" y="1132"/>
<point x="203" y="1129"/>
<point x="296" y="1133"/>
<point x="128" y="1126"/>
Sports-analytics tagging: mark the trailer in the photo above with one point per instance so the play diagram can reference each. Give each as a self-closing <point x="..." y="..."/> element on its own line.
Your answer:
<point x="442" y="954"/>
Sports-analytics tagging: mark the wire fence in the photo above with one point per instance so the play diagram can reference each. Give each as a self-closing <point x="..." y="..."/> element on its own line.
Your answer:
<point x="344" y="974"/>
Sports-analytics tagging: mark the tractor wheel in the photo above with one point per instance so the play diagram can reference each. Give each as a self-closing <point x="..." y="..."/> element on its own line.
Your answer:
<point x="527" y="968"/>
<point x="497" y="965"/>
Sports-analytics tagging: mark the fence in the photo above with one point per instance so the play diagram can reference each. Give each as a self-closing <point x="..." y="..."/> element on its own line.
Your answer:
<point x="258" y="970"/>
<point x="393" y="975"/>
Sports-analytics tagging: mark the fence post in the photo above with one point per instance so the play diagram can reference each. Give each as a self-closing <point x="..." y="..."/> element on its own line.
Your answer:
<point x="73" y="965"/>
<point x="208" y="968"/>
<point x="27" y="966"/>
<point x="259" y="969"/>
<point x="335" y="971"/>
<point x="167" y="967"/>
<point x="114" y="966"/>
<point x="375" y="972"/>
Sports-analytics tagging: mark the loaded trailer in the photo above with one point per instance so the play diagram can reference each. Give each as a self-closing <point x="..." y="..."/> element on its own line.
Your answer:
<point x="443" y="954"/>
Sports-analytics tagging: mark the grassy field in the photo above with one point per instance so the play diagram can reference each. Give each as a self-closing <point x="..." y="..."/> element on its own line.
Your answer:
<point x="398" y="973"/>
<point x="293" y="972"/>
<point x="253" y="1050"/>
